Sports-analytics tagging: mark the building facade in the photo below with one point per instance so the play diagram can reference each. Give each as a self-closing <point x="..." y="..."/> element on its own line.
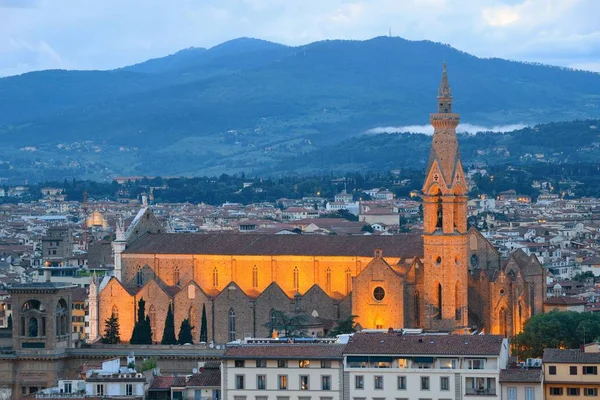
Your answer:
<point x="571" y="374"/>
<point x="448" y="279"/>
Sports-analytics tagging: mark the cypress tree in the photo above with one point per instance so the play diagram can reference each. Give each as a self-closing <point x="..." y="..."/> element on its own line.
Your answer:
<point x="142" y="333"/>
<point x="185" y="332"/>
<point x="204" y="326"/>
<point x="169" y="332"/>
<point x="111" y="331"/>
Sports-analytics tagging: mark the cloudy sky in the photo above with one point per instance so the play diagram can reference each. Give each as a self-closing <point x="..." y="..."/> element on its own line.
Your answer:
<point x="104" y="34"/>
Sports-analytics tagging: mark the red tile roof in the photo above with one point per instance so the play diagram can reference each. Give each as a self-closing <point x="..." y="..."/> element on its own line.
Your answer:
<point x="207" y="377"/>
<point x="405" y="246"/>
<point x="167" y="382"/>
<point x="570" y="356"/>
<point x="564" y="301"/>
<point x="521" y="375"/>
<point x="397" y="344"/>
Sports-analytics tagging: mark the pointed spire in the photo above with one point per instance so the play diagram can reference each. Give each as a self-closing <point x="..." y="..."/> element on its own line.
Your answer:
<point x="444" y="90"/>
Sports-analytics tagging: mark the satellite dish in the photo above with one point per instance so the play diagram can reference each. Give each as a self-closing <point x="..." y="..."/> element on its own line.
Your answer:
<point x="211" y="345"/>
<point x="195" y="370"/>
<point x="218" y="347"/>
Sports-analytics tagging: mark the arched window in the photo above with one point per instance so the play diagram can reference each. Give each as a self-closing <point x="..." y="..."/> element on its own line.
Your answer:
<point x="139" y="277"/>
<point x="417" y="309"/>
<point x="215" y="277"/>
<point x="328" y="280"/>
<point x="348" y="280"/>
<point x="255" y="277"/>
<point x="152" y="315"/>
<point x="231" y="325"/>
<point x="502" y="321"/>
<point x="457" y="303"/>
<point x="115" y="311"/>
<point x="296" y="279"/>
<point x="439" y="301"/>
<point x="440" y="214"/>
<point x="176" y="276"/>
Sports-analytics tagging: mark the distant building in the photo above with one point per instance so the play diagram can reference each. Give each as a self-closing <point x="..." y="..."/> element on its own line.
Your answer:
<point x="571" y="373"/>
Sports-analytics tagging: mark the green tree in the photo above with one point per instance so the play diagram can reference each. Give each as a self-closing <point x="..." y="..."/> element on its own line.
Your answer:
<point x="111" y="331"/>
<point x="204" y="326"/>
<point x="289" y="325"/>
<point x="185" y="332"/>
<point x="556" y="330"/>
<point x="142" y="332"/>
<point x="169" y="331"/>
<point x="346" y="325"/>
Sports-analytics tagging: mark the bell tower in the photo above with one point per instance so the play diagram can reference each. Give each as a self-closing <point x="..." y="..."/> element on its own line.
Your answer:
<point x="445" y="223"/>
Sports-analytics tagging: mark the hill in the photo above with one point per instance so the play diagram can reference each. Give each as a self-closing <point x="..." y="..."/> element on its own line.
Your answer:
<point x="249" y="104"/>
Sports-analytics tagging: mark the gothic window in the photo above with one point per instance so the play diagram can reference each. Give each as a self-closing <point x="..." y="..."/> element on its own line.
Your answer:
<point x="457" y="305"/>
<point x="152" y="315"/>
<point x="440" y="214"/>
<point x="296" y="279"/>
<point x="176" y="276"/>
<point x="328" y="280"/>
<point x="532" y="298"/>
<point x="231" y="325"/>
<point x="139" y="277"/>
<point x="474" y="261"/>
<point x="439" y="301"/>
<point x="502" y="321"/>
<point x="255" y="277"/>
<point x="115" y="311"/>
<point x="215" y="277"/>
<point x="348" y="280"/>
<point x="417" y="309"/>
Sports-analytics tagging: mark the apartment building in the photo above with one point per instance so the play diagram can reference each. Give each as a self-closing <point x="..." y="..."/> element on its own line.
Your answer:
<point x="391" y="366"/>
<point x="521" y="384"/>
<point x="571" y="374"/>
<point x="287" y="371"/>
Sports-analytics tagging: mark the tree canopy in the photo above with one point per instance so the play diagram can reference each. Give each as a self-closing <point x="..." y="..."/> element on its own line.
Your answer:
<point x="169" y="331"/>
<point x="556" y="330"/>
<point x="111" y="330"/>
<point x="142" y="330"/>
<point x="185" y="332"/>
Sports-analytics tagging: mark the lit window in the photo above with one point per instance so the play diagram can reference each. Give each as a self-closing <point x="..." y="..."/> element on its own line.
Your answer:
<point x="283" y="382"/>
<point x="304" y="364"/>
<point x="304" y="382"/>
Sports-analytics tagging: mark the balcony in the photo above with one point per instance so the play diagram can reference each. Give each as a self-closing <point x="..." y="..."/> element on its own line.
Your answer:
<point x="479" y="386"/>
<point x="481" y="392"/>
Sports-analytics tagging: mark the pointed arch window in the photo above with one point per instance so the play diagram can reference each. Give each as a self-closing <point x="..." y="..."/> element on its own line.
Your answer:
<point x="176" y="276"/>
<point x="152" y="316"/>
<point x="255" y="277"/>
<point x="115" y="311"/>
<point x="231" y="325"/>
<point x="215" y="277"/>
<point x="348" y="280"/>
<point x="439" y="301"/>
<point x="417" y="309"/>
<point x="140" y="277"/>
<point x="457" y="303"/>
<point x="296" y="279"/>
<point x="328" y="280"/>
<point x="440" y="214"/>
<point x="502" y="321"/>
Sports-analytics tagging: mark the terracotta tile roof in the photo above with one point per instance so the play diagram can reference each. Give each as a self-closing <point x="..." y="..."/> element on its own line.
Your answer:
<point x="263" y="244"/>
<point x="517" y="375"/>
<point x="167" y="382"/>
<point x="207" y="377"/>
<point x="397" y="344"/>
<point x="570" y="356"/>
<point x="286" y="351"/>
<point x="564" y="301"/>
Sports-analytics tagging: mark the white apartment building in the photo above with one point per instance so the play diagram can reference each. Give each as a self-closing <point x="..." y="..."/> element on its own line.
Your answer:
<point x="392" y="366"/>
<point x="283" y="372"/>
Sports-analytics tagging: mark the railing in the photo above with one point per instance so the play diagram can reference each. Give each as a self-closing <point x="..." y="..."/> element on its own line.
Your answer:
<point x="481" y="392"/>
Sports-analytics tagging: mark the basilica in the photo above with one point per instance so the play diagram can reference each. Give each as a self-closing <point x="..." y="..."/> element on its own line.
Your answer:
<point x="448" y="279"/>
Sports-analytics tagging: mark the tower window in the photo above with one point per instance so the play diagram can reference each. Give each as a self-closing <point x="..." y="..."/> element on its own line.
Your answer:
<point x="348" y="280"/>
<point x="328" y="280"/>
<point x="140" y="277"/>
<point x="438" y="260"/>
<point x="440" y="214"/>
<point x="176" y="276"/>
